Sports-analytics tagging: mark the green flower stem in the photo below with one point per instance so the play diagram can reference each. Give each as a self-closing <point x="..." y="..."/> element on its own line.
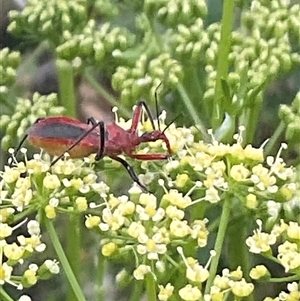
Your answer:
<point x="224" y="220"/>
<point x="150" y="287"/>
<point x="222" y="67"/>
<point x="24" y="214"/>
<point x="252" y="120"/>
<point x="137" y="291"/>
<point x="274" y="139"/>
<point x="3" y="295"/>
<point x="192" y="110"/>
<point x="73" y="249"/>
<point x="237" y="247"/>
<point x="66" y="86"/>
<point x="284" y="279"/>
<point x="101" y="271"/>
<point x="99" y="89"/>
<point x="64" y="261"/>
<point x="194" y="85"/>
<point x="239" y="255"/>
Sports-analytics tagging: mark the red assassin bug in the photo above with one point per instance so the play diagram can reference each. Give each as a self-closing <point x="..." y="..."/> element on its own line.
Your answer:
<point x="58" y="135"/>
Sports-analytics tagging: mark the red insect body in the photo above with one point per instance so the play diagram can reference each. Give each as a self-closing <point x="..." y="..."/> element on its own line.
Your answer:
<point x="58" y="135"/>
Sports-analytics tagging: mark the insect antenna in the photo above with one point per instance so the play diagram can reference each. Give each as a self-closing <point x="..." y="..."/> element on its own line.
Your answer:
<point x="156" y="105"/>
<point x="170" y="123"/>
<point x="16" y="151"/>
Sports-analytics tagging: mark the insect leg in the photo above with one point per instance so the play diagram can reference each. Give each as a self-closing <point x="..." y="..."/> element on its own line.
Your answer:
<point x="156" y="104"/>
<point x="22" y="142"/>
<point x="130" y="170"/>
<point x="100" y="152"/>
<point x="91" y="120"/>
<point x="17" y="150"/>
<point x="137" y="115"/>
<point x="80" y="139"/>
<point x="149" y="157"/>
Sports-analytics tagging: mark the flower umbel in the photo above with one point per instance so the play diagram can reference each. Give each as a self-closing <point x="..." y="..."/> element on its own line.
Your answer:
<point x="15" y="254"/>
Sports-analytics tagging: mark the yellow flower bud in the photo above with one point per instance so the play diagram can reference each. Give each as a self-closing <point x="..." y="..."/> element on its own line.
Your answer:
<point x="50" y="212"/>
<point x="109" y="248"/>
<point x="51" y="182"/>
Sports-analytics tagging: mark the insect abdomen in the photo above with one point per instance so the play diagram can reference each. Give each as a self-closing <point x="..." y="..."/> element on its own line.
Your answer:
<point x="56" y="137"/>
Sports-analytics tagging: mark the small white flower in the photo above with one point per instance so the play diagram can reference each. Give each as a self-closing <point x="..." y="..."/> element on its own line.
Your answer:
<point x="33" y="227"/>
<point x="52" y="266"/>
<point x="24" y="298"/>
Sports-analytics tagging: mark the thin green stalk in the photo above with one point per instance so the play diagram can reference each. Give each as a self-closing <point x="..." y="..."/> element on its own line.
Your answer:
<point x="284" y="279"/>
<point x="252" y="120"/>
<point x="64" y="261"/>
<point x="101" y="271"/>
<point x="222" y="67"/>
<point x="274" y="139"/>
<point x="239" y="254"/>
<point x="192" y="110"/>
<point x="137" y="291"/>
<point x="73" y="249"/>
<point x="4" y="295"/>
<point x="224" y="220"/>
<point x="196" y="88"/>
<point x="237" y="247"/>
<point x="99" y="89"/>
<point x="150" y="287"/>
<point x="24" y="214"/>
<point x="66" y="86"/>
